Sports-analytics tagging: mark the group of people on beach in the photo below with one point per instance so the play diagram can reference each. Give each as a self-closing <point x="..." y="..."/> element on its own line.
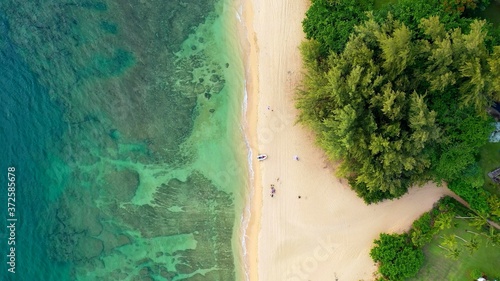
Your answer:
<point x="273" y="189"/>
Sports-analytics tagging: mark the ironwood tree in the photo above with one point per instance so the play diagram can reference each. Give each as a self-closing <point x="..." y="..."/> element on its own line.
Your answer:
<point x="369" y="104"/>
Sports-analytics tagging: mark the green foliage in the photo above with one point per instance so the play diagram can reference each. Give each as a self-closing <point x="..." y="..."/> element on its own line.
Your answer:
<point x="475" y="196"/>
<point x="422" y="231"/>
<point x="494" y="205"/>
<point x="399" y="99"/>
<point x="443" y="220"/>
<point x="398" y="258"/>
<point x="489" y="160"/>
<point x="476" y="274"/>
<point x="460" y="6"/>
<point x="425" y="227"/>
<point x="330" y="22"/>
<point x="463" y="134"/>
<point x="461" y="61"/>
<point x="440" y="265"/>
<point x="446" y="229"/>
<point x="494" y="237"/>
<point x="410" y="12"/>
<point x="453" y="253"/>
<point x="449" y="241"/>
<point x="472" y="245"/>
<point x="382" y="105"/>
<point x="371" y="196"/>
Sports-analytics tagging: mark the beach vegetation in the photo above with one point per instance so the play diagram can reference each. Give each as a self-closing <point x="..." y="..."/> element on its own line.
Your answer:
<point x="488" y="161"/>
<point x="450" y="248"/>
<point x="459" y="250"/>
<point x="330" y="22"/>
<point x="398" y="258"/>
<point x="399" y="98"/>
<point x="410" y="12"/>
<point x="379" y="105"/>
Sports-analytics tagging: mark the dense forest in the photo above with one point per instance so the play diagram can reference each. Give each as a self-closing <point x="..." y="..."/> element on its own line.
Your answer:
<point x="398" y="96"/>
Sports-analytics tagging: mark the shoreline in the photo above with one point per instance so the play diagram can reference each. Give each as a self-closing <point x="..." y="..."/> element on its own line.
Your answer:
<point x="314" y="227"/>
<point x="250" y="62"/>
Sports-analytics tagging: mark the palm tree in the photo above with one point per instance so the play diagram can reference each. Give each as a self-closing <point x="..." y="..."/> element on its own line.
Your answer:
<point x="443" y="220"/>
<point x="494" y="203"/>
<point x="453" y="253"/>
<point x="416" y="236"/>
<point x="449" y="244"/>
<point x="472" y="245"/>
<point x="479" y="221"/>
<point x="449" y="241"/>
<point x="493" y="236"/>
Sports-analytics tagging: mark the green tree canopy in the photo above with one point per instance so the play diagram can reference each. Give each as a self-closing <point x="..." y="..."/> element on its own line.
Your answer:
<point x="368" y="103"/>
<point x="330" y="22"/>
<point x="398" y="258"/>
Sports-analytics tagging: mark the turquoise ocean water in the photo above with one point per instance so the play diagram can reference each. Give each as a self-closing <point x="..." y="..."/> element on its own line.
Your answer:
<point x="122" y="120"/>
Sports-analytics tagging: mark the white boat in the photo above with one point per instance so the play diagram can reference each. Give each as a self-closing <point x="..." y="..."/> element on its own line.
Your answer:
<point x="261" y="157"/>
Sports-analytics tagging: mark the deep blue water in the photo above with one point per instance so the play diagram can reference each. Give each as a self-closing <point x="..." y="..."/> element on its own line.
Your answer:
<point x="29" y="124"/>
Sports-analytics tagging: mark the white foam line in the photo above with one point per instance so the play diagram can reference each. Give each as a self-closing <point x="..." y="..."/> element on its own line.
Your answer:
<point x="238" y="16"/>
<point x="245" y="217"/>
<point x="239" y="12"/>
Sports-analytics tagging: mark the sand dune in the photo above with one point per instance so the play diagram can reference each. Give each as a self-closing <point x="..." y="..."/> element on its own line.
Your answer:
<point x="327" y="233"/>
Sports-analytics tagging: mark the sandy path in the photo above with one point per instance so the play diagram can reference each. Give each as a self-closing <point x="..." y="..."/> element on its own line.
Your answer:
<point x="328" y="232"/>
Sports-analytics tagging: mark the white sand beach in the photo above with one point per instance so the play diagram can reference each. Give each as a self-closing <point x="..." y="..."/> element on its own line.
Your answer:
<point x="315" y="227"/>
